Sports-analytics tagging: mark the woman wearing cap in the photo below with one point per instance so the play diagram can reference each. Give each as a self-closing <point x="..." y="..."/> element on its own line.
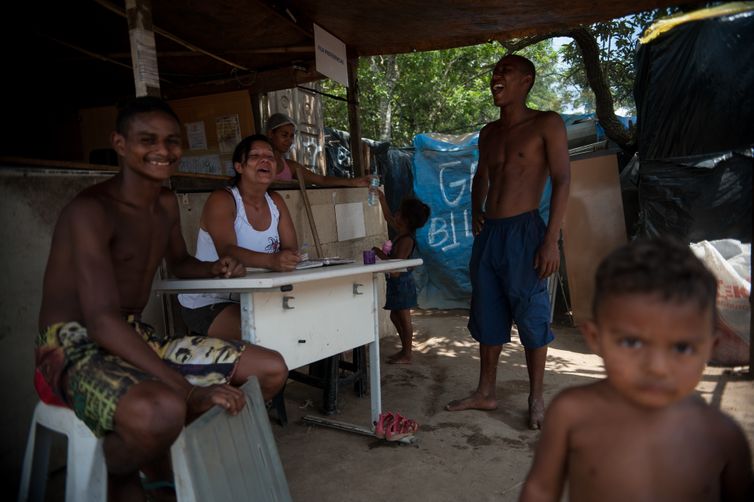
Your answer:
<point x="247" y="222"/>
<point x="281" y="130"/>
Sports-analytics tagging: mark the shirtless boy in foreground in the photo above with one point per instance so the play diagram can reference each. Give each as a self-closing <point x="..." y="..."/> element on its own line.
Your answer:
<point x="514" y="252"/>
<point x="642" y="433"/>
<point x="125" y="382"/>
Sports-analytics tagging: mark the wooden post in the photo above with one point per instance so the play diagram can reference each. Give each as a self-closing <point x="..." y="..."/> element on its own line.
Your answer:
<point x="308" y="208"/>
<point x="256" y="112"/>
<point x="143" y="49"/>
<point x="751" y="342"/>
<point x="354" y="122"/>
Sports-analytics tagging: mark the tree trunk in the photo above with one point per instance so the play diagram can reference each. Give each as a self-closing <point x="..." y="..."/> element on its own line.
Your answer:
<point x="590" y="53"/>
<point x="390" y="67"/>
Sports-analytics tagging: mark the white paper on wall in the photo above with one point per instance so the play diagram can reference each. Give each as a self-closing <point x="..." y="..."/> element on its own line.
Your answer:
<point x="349" y="220"/>
<point x="197" y="137"/>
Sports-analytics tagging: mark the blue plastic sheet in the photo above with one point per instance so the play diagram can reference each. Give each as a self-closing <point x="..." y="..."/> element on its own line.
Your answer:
<point x="443" y="171"/>
<point x="444" y="168"/>
<point x="570" y="119"/>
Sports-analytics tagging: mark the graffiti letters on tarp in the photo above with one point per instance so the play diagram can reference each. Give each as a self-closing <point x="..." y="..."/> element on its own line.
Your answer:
<point x="452" y="227"/>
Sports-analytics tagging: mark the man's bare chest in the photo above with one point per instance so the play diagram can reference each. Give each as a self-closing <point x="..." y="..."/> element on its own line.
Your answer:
<point x="139" y="240"/>
<point x="516" y="150"/>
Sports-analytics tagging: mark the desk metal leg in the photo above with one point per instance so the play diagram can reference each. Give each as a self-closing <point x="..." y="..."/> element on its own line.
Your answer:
<point x="374" y="380"/>
<point x="374" y="359"/>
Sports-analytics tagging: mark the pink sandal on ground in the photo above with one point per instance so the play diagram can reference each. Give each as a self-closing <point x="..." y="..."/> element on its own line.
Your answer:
<point x="400" y="427"/>
<point x="383" y="423"/>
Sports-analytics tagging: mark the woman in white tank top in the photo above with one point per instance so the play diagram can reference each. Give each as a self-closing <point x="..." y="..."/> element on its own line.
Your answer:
<point x="247" y="222"/>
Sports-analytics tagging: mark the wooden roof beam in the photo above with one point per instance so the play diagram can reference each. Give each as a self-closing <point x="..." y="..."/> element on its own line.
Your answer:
<point x="303" y="49"/>
<point x="299" y="21"/>
<point x="170" y="36"/>
<point x="271" y="79"/>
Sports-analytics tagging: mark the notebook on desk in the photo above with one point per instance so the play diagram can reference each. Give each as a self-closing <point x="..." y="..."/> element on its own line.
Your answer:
<point x="335" y="260"/>
<point x="319" y="262"/>
<point x="305" y="264"/>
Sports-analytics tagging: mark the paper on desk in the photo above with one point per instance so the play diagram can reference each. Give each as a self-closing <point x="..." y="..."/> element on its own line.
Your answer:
<point x="305" y="264"/>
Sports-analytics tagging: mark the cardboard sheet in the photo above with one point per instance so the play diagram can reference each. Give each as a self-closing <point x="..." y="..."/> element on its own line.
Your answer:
<point x="594" y="226"/>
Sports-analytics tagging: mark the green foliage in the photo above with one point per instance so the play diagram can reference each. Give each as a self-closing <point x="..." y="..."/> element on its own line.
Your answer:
<point x="617" y="41"/>
<point x="448" y="91"/>
<point x="437" y="91"/>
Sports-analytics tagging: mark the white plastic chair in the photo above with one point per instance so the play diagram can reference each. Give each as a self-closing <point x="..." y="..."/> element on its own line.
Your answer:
<point x="218" y="457"/>
<point x="86" y="472"/>
<point x="86" y="478"/>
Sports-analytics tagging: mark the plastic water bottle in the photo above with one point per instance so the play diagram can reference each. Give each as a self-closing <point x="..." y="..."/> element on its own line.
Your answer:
<point x="373" y="198"/>
<point x="303" y="253"/>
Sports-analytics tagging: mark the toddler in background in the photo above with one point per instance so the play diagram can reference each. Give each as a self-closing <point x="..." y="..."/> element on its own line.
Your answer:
<point x="401" y="288"/>
<point x="642" y="433"/>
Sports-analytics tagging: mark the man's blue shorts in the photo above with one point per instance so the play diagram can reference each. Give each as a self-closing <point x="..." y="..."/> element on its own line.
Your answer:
<point x="505" y="287"/>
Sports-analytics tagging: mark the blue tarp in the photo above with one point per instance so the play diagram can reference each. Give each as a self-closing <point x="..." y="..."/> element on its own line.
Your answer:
<point x="443" y="169"/>
<point x="572" y="118"/>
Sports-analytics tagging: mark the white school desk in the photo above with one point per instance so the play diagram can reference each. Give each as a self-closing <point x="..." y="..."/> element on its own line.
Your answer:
<point x="308" y="315"/>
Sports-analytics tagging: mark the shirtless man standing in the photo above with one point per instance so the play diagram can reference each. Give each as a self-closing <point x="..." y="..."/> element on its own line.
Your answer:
<point x="127" y="384"/>
<point x="514" y="252"/>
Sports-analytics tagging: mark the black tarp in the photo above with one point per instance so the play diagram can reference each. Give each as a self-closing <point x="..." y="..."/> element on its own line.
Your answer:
<point x="338" y="153"/>
<point x="694" y="94"/>
<point x="696" y="203"/>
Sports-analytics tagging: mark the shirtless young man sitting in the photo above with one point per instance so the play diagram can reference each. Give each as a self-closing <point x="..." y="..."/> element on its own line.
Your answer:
<point x="125" y="382"/>
<point x="514" y="252"/>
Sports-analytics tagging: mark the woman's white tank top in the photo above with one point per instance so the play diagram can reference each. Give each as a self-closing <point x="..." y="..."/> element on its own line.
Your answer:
<point x="264" y="241"/>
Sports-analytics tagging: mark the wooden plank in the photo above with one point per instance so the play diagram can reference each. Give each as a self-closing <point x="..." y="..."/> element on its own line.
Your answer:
<point x="594" y="226"/>
<point x="354" y="121"/>
<point x="308" y="208"/>
<point x="194" y="49"/>
<point x="143" y="49"/>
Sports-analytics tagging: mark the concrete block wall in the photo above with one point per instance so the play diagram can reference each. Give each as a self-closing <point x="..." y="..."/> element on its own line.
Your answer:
<point x="29" y="208"/>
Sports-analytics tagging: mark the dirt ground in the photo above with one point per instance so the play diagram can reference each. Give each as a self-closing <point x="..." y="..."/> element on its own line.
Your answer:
<point x="469" y="455"/>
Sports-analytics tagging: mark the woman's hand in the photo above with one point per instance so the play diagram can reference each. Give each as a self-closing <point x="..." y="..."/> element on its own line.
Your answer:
<point x="285" y="261"/>
<point x="362" y="181"/>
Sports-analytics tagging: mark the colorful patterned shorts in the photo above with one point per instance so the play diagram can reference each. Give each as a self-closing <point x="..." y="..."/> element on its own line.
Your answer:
<point x="92" y="381"/>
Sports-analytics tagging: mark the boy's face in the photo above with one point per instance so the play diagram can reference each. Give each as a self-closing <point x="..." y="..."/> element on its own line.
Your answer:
<point x="508" y="82"/>
<point x="152" y="145"/>
<point x="654" y="351"/>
